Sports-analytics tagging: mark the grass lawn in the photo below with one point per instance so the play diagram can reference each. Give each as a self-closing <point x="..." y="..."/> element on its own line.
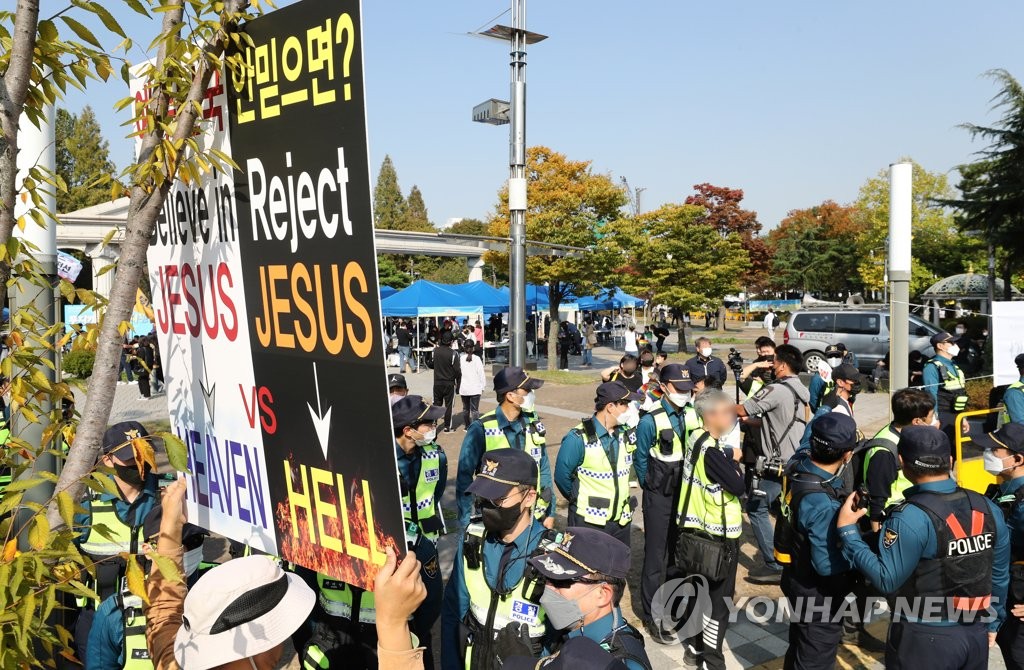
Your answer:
<point x="567" y="378"/>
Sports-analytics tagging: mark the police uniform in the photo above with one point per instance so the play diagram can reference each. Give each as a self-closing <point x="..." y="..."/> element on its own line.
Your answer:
<point x="709" y="504"/>
<point x="1009" y="496"/>
<point x="345" y="618"/>
<point x="1013" y="398"/>
<point x="491" y="585"/>
<point x="881" y="472"/>
<point x="494" y="430"/>
<point x="579" y="652"/>
<point x="945" y="553"/>
<point x="661" y="440"/>
<point x="945" y="381"/>
<point x="593" y="467"/>
<point x="125" y="525"/>
<point x="816" y="577"/>
<point x="581" y="554"/>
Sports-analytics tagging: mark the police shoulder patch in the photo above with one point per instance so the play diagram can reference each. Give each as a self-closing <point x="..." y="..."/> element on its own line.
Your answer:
<point x="889" y="538"/>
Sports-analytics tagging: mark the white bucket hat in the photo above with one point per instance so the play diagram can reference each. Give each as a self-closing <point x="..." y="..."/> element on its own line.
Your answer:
<point x="238" y="610"/>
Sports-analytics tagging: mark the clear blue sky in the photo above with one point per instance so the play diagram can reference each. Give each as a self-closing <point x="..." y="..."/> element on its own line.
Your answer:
<point x="792" y="102"/>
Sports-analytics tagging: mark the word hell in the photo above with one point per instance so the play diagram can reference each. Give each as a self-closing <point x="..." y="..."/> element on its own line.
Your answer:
<point x="330" y="310"/>
<point x="309" y="497"/>
<point x="206" y="290"/>
<point x="261" y="77"/>
<point x="278" y="206"/>
<point x="259" y="399"/>
<point x="226" y="476"/>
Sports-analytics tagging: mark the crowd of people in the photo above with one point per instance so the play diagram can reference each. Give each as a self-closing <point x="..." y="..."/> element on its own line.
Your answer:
<point x="837" y="519"/>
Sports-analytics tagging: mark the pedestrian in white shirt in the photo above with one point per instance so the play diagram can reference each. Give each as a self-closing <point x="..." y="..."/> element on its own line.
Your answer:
<point x="472" y="384"/>
<point x="630" y="337"/>
<point x="770" y="323"/>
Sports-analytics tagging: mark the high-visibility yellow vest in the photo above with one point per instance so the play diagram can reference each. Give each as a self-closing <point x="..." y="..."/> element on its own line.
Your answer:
<point x="520" y="605"/>
<point x="662" y="422"/>
<point x="339" y="599"/>
<point x="536" y="441"/>
<point x="603" y="494"/>
<point x="1004" y="415"/>
<point x="952" y="393"/>
<point x="709" y="504"/>
<point x="425" y="506"/>
<point x="890" y="439"/>
<point x="136" y="652"/>
<point x="120" y="539"/>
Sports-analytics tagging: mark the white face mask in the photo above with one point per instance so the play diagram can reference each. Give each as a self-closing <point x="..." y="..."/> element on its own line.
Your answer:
<point x="961" y="331"/>
<point x="425" y="438"/>
<point x="191" y="560"/>
<point x="953" y="351"/>
<point x="680" y="399"/>
<point x="630" y="417"/>
<point x="993" y="464"/>
<point x="834" y="362"/>
<point x="529" y="402"/>
<point x="706" y="352"/>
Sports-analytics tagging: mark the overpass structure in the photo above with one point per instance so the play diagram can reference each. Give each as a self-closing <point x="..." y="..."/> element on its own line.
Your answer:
<point x="84" y="230"/>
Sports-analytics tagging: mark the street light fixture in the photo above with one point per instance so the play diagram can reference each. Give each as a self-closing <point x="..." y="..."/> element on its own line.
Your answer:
<point x="490" y="112"/>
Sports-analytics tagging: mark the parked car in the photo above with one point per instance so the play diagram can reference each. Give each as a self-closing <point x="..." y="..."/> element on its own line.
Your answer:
<point x="863" y="329"/>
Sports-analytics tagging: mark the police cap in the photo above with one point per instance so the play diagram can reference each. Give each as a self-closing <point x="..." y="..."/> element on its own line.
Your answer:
<point x="610" y="392"/>
<point x="501" y="470"/>
<point x="582" y="552"/>
<point x="942" y="337"/>
<point x="1019" y="361"/>
<point x="833" y="432"/>
<point x="917" y="442"/>
<point x="117" y="440"/>
<point x="512" y="377"/>
<point x="1010" y="436"/>
<point x="676" y="375"/>
<point x="413" y="410"/>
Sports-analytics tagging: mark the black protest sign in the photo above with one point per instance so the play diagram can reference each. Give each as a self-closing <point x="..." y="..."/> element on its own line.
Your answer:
<point x="298" y="134"/>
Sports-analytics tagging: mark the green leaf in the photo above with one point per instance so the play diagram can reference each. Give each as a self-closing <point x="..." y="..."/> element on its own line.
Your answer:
<point x="137" y="6"/>
<point x="66" y="506"/>
<point x="82" y="31"/>
<point x="108" y="20"/>
<point x="177" y="452"/>
<point x="47" y="31"/>
<point x="39" y="532"/>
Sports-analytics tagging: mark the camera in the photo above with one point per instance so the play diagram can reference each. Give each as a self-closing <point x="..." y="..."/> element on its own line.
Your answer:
<point x="863" y="497"/>
<point x="735" y="360"/>
<point x="772" y="466"/>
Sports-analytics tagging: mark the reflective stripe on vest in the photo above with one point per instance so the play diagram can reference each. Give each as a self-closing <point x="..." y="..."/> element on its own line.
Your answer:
<point x="119" y="534"/>
<point x="707" y="499"/>
<point x="494" y="438"/>
<point x="336" y="599"/>
<point x="314" y="658"/>
<point x="952" y="393"/>
<point x="603" y="493"/>
<point x="662" y="422"/>
<point x="136" y="653"/>
<point x="902" y="483"/>
<point x="426" y="485"/>
<point x="511" y="608"/>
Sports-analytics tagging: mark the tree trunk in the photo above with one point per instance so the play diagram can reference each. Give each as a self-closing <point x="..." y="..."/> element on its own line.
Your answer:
<point x="555" y="303"/>
<point x="144" y="207"/>
<point x="722" y="313"/>
<point x="13" y="91"/>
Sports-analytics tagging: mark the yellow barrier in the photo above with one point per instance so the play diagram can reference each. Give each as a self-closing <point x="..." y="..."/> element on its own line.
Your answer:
<point x="970" y="473"/>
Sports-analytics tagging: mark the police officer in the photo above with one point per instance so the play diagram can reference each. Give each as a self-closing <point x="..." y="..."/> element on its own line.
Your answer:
<point x="514" y="424"/>
<point x="709" y="504"/>
<point x="1013" y="398"/>
<point x="1004" y="458"/>
<point x="945" y="553"/>
<point x="344" y="619"/>
<point x="124" y="516"/>
<point x="584" y="576"/>
<point x="491" y="587"/>
<point x="815" y="577"/>
<point x="579" y="652"/>
<point x="594" y="462"/>
<point x="881" y="471"/>
<point x="945" y="381"/>
<point x="661" y="438"/>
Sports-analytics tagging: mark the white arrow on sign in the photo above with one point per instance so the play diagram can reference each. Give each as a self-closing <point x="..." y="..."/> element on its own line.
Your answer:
<point x="209" y="390"/>
<point x="321" y="420"/>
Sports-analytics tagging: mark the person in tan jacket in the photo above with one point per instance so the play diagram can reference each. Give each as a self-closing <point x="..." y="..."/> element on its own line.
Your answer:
<point x="239" y="615"/>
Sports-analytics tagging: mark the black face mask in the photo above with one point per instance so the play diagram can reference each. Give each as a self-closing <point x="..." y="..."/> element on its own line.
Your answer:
<point x="129" y="474"/>
<point x="499" y="520"/>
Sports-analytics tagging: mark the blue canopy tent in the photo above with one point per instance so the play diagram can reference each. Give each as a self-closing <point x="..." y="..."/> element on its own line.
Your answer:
<point x="492" y="300"/>
<point x="613" y="299"/>
<point x="386" y="291"/>
<point x="424" y="298"/>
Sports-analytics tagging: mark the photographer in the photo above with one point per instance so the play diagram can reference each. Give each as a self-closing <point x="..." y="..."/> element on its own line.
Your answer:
<point x="782" y="408"/>
<point x="706" y="365"/>
<point x="758" y="373"/>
